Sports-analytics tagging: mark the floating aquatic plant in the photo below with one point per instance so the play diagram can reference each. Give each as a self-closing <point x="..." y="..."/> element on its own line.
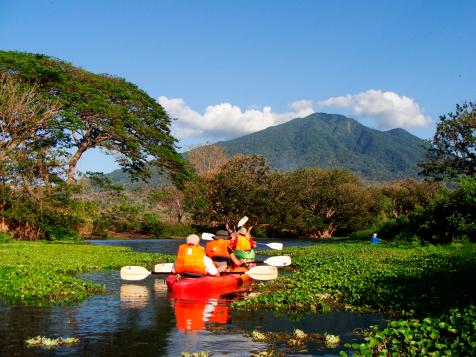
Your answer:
<point x="257" y="336"/>
<point x="299" y="334"/>
<point x="195" y="354"/>
<point x="41" y="341"/>
<point x="426" y="280"/>
<point x="332" y="341"/>
<point x="38" y="272"/>
<point x="291" y="341"/>
<point x="451" y="334"/>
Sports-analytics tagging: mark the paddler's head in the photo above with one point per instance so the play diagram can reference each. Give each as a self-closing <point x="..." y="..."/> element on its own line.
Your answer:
<point x="243" y="231"/>
<point x="193" y="239"/>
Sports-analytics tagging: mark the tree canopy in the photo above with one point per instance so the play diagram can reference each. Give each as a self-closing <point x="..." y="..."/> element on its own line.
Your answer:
<point x="101" y="111"/>
<point x="453" y="148"/>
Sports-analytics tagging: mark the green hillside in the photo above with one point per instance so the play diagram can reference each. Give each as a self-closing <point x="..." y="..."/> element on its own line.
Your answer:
<point x="327" y="140"/>
<point x="334" y="141"/>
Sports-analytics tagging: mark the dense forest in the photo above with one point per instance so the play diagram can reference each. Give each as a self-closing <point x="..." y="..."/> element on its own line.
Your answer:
<point x="51" y="113"/>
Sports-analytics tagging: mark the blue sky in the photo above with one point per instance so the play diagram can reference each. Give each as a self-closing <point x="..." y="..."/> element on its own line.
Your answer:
<point x="228" y="68"/>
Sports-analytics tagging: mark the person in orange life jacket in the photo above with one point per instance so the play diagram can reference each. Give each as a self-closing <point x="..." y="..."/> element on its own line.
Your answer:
<point x="221" y="251"/>
<point x="192" y="261"/>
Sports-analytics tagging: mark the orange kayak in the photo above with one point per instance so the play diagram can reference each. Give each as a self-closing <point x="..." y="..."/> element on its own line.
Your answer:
<point x="207" y="286"/>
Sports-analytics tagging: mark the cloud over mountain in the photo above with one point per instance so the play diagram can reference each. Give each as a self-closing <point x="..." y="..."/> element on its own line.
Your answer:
<point x="388" y="109"/>
<point x="225" y="121"/>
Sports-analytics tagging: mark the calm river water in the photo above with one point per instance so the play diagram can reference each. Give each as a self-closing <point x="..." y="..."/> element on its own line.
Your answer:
<point x="139" y="319"/>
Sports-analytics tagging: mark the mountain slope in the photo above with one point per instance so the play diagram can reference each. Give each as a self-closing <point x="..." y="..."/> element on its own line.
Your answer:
<point x="334" y="141"/>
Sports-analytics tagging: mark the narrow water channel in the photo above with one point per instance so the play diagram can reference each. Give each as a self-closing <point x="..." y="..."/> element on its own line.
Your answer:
<point x="141" y="319"/>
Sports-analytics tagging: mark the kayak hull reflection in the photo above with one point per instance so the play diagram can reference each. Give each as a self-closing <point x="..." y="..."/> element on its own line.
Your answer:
<point x="206" y="286"/>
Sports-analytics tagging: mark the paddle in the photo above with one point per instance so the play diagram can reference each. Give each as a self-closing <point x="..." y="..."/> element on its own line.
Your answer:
<point x="163" y="268"/>
<point x="242" y="221"/>
<point x="276" y="261"/>
<point x="276" y="246"/>
<point x="263" y="273"/>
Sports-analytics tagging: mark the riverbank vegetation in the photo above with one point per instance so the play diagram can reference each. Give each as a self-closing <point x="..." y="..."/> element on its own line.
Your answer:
<point x="39" y="272"/>
<point x="402" y="280"/>
<point x="419" y="284"/>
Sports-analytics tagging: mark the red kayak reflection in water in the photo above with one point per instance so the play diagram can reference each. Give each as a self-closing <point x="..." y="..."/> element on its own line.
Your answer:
<point x="201" y="301"/>
<point x="197" y="313"/>
<point x="193" y="315"/>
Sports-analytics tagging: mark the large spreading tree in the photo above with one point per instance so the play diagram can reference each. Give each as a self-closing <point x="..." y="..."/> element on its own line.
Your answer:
<point x="453" y="148"/>
<point x="100" y="111"/>
<point x="316" y="202"/>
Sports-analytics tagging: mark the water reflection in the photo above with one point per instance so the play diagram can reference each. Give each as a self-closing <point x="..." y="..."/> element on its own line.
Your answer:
<point x="134" y="296"/>
<point x="140" y="318"/>
<point x="192" y="315"/>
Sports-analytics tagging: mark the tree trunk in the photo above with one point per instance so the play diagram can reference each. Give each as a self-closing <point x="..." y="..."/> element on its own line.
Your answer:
<point x="74" y="160"/>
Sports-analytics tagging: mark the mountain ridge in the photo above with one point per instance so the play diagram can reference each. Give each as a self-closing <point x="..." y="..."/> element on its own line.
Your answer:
<point x="331" y="141"/>
<point x="334" y="141"/>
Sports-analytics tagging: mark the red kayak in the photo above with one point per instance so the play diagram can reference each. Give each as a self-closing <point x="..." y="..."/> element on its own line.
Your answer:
<point x="206" y="286"/>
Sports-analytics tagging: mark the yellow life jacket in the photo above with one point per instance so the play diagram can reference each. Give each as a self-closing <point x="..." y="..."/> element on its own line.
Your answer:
<point x="243" y="243"/>
<point x="190" y="259"/>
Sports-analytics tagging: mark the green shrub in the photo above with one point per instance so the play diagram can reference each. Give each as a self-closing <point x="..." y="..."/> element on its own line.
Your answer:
<point x="152" y="225"/>
<point x="259" y="232"/>
<point x="177" y="230"/>
<point x="6" y="238"/>
<point x="363" y="235"/>
<point x="449" y="218"/>
<point x="61" y="234"/>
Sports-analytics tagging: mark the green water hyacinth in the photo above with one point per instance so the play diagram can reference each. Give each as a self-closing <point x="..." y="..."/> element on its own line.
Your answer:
<point x="332" y="341"/>
<point x="258" y="336"/>
<point x="418" y="280"/>
<point x="43" y="273"/>
<point x="41" y="341"/>
<point x="452" y="334"/>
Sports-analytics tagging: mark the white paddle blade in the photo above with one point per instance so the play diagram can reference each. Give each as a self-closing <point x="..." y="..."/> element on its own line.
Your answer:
<point x="207" y="236"/>
<point x="134" y="273"/>
<point x="265" y="272"/>
<point x="163" y="268"/>
<point x="278" y="261"/>
<point x="242" y="221"/>
<point x="276" y="246"/>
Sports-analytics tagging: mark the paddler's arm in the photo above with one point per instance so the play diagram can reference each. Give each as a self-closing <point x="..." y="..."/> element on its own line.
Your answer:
<point x="210" y="267"/>
<point x="237" y="262"/>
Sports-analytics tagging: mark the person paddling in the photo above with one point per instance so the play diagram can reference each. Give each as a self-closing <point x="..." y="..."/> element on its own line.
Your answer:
<point x="192" y="261"/>
<point x="243" y="244"/>
<point x="220" y="250"/>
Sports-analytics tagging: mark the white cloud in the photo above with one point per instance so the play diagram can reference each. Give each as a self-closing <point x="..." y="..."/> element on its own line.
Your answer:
<point x="226" y="121"/>
<point x="387" y="109"/>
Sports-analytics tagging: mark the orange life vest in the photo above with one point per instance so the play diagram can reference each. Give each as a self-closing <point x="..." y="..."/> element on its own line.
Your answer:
<point x="243" y="243"/>
<point x="218" y="248"/>
<point x="190" y="259"/>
